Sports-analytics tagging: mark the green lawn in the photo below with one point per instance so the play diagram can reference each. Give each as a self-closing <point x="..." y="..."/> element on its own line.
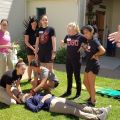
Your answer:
<point x="18" y="112"/>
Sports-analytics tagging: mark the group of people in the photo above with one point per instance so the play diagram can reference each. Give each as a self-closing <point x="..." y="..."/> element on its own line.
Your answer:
<point x="40" y="41"/>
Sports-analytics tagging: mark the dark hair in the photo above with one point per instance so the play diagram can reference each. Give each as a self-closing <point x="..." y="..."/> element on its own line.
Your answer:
<point x="4" y="20"/>
<point x="87" y="27"/>
<point x="19" y="63"/>
<point x="35" y="63"/>
<point x="27" y="23"/>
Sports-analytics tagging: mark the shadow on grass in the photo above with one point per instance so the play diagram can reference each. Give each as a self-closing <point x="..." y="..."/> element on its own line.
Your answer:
<point x="67" y="116"/>
<point x="4" y="106"/>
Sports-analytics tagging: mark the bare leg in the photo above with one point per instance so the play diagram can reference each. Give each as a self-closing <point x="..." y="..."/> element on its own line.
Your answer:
<point x="30" y="58"/>
<point x="91" y="78"/>
<point x="86" y="82"/>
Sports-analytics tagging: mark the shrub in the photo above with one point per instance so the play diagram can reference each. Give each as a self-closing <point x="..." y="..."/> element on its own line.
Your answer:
<point x="61" y="56"/>
<point x="22" y="54"/>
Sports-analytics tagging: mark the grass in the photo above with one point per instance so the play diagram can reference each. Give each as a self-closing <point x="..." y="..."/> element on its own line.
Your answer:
<point x="18" y="112"/>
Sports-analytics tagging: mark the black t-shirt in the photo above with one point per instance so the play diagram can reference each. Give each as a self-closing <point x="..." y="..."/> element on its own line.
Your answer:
<point x="92" y="48"/>
<point x="9" y="78"/>
<point x="45" y="39"/>
<point x="32" y="36"/>
<point x="74" y="44"/>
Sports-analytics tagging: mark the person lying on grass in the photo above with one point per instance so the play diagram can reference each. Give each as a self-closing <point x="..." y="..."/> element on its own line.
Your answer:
<point x="44" y="79"/>
<point x="115" y="37"/>
<point x="61" y="105"/>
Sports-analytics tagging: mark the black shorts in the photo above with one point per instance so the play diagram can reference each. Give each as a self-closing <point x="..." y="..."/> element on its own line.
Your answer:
<point x="93" y="66"/>
<point x="29" y="51"/>
<point x="45" y="57"/>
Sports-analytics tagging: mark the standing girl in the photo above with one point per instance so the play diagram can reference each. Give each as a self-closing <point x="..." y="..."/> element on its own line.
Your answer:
<point x="5" y="48"/>
<point x="73" y="65"/>
<point x="93" y="52"/>
<point x="46" y="44"/>
<point x="30" y="40"/>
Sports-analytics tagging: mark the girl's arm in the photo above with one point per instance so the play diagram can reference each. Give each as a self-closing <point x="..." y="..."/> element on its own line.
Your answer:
<point x="9" y="92"/>
<point x="5" y="46"/>
<point x="27" y="43"/>
<point x="18" y="86"/>
<point x="62" y="43"/>
<point x="99" y="53"/>
<point x="41" y="85"/>
<point x="54" y="43"/>
<point x="54" y="47"/>
<point x="36" y="47"/>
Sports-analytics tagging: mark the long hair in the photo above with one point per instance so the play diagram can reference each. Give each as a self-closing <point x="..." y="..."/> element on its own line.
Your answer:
<point x="27" y="23"/>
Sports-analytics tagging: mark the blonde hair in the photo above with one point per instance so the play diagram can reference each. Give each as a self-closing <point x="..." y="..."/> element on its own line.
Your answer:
<point x="19" y="63"/>
<point x="74" y="25"/>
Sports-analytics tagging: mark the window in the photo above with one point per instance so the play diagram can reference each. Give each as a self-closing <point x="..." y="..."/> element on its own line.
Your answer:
<point x="40" y="12"/>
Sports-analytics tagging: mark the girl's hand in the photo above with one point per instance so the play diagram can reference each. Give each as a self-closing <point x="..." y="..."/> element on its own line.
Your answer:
<point x="18" y="100"/>
<point x="115" y="37"/>
<point x="62" y="43"/>
<point x="13" y="47"/>
<point x="53" y="55"/>
<point x="34" y="50"/>
<point x="95" y="57"/>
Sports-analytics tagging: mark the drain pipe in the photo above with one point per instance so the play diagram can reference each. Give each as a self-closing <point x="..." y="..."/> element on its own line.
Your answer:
<point x="81" y="4"/>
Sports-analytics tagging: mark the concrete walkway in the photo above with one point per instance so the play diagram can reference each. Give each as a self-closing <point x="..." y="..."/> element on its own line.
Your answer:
<point x="110" y="68"/>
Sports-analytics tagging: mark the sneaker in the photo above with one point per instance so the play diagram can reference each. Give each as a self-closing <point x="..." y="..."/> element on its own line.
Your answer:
<point x="102" y="116"/>
<point x="105" y="112"/>
<point x="91" y="104"/>
<point x="66" y="94"/>
<point x="106" y="109"/>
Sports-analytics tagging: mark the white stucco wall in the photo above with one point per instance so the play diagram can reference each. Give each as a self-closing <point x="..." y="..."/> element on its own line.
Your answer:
<point x="14" y="11"/>
<point x="5" y="6"/>
<point x="60" y="13"/>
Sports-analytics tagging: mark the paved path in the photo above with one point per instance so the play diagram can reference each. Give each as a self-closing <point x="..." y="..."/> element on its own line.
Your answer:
<point x="110" y="67"/>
